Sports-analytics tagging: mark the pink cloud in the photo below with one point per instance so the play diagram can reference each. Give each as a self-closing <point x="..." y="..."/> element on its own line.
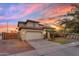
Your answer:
<point x="3" y="28"/>
<point x="32" y="8"/>
<point x="1" y="8"/>
<point x="60" y="10"/>
<point x="27" y="11"/>
<point x="2" y="17"/>
<point x="13" y="8"/>
<point x="4" y="25"/>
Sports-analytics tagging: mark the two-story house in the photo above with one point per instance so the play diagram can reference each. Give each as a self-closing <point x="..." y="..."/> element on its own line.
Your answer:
<point x="30" y="30"/>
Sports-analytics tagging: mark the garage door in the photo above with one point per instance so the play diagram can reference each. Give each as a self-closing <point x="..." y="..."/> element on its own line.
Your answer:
<point x="34" y="35"/>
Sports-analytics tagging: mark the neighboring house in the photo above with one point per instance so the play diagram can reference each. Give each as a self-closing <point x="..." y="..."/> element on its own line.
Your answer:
<point x="31" y="30"/>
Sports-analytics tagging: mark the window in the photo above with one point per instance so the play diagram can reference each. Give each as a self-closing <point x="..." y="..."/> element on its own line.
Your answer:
<point x="29" y="24"/>
<point x="37" y="25"/>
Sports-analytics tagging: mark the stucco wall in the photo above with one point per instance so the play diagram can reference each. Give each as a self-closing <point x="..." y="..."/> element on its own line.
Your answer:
<point x="1" y="37"/>
<point x="22" y="34"/>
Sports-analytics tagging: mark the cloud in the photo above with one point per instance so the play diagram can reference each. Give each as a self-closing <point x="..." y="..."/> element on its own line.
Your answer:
<point x="1" y="8"/>
<point x="3" y="28"/>
<point x="16" y="12"/>
<point x="22" y="11"/>
<point x="27" y="11"/>
<point x="59" y="10"/>
<point x="56" y="11"/>
<point x="48" y="20"/>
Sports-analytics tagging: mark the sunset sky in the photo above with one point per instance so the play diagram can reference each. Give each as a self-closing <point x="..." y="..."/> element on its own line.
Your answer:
<point x="13" y="13"/>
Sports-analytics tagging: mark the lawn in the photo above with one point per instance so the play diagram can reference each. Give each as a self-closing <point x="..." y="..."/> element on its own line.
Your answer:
<point x="61" y="40"/>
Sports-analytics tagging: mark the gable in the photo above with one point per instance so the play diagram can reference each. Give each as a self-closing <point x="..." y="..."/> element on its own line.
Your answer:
<point x="30" y="25"/>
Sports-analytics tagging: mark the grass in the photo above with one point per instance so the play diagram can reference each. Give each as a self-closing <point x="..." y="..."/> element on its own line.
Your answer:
<point x="61" y="40"/>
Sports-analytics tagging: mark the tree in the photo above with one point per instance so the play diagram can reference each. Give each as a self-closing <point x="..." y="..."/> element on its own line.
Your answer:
<point x="67" y="24"/>
<point x="73" y="24"/>
<point x="76" y="19"/>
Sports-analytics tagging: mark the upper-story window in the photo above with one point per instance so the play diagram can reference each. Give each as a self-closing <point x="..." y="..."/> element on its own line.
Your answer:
<point x="21" y="25"/>
<point x="29" y="24"/>
<point x="37" y="25"/>
<point x="33" y="25"/>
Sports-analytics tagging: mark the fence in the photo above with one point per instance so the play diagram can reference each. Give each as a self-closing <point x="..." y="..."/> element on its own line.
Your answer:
<point x="72" y="37"/>
<point x="6" y="36"/>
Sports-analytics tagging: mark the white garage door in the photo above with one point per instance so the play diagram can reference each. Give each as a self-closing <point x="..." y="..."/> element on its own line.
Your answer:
<point x="34" y="35"/>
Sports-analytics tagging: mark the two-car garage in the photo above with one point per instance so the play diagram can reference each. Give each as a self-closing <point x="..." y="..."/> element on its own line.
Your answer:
<point x="34" y="35"/>
<point x="31" y="34"/>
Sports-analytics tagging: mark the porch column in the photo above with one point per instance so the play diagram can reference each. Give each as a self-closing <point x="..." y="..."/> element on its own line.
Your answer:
<point x="48" y="36"/>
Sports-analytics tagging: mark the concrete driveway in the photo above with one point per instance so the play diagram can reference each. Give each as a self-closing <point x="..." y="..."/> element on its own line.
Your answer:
<point x="47" y="48"/>
<point x="42" y="47"/>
